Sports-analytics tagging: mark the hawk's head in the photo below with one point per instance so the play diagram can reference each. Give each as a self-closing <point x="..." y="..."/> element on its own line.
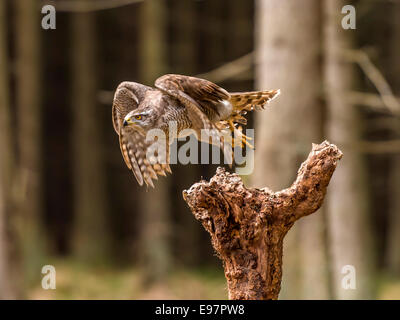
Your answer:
<point x="140" y="118"/>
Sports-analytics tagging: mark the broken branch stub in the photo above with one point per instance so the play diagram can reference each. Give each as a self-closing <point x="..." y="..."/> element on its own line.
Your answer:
<point x="247" y="225"/>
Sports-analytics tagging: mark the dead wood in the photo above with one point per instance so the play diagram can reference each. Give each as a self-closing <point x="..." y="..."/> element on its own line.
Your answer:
<point x="247" y="225"/>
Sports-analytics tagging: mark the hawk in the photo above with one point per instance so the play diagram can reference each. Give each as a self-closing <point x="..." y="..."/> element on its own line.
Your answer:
<point x="190" y="103"/>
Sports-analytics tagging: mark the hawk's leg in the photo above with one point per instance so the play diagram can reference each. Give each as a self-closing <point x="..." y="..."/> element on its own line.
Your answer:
<point x="240" y="139"/>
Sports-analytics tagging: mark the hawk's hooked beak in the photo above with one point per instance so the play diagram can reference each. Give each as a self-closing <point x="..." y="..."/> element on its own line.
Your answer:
<point x="127" y="122"/>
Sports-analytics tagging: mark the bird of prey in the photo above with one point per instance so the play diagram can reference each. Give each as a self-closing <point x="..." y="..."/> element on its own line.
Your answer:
<point x="190" y="103"/>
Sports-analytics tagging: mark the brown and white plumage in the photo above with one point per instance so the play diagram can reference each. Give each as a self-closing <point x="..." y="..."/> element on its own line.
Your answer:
<point x="193" y="103"/>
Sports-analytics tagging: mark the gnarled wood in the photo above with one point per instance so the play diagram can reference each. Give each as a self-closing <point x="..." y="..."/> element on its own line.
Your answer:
<point x="247" y="225"/>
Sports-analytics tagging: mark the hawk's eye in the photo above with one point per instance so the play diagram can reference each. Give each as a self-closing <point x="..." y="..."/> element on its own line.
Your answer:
<point x="138" y="117"/>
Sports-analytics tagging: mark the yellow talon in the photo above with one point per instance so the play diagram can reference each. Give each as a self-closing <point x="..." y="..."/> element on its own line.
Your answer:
<point x="231" y="125"/>
<point x="241" y="139"/>
<point x="245" y="139"/>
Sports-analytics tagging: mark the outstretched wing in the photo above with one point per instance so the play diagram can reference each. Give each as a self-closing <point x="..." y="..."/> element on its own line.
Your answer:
<point x="190" y="92"/>
<point x="133" y="143"/>
<point x="207" y="94"/>
<point x="135" y="147"/>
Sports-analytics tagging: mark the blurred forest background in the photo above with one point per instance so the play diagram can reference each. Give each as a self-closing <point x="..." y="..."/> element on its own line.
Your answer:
<point x="68" y="200"/>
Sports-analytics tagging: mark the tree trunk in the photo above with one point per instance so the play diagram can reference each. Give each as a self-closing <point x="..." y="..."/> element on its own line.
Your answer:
<point x="7" y="276"/>
<point x="287" y="57"/>
<point x="91" y="235"/>
<point x="213" y="26"/>
<point x="29" y="135"/>
<point x="240" y="40"/>
<point x="154" y="209"/>
<point x="187" y="242"/>
<point x="184" y="54"/>
<point x="392" y="254"/>
<point x="247" y="226"/>
<point x="347" y="204"/>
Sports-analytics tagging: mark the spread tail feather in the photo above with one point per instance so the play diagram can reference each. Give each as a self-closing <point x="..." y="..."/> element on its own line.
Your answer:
<point x="243" y="102"/>
<point x="248" y="101"/>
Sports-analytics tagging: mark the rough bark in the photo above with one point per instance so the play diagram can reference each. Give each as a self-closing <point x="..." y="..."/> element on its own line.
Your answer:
<point x="288" y="50"/>
<point x="247" y="225"/>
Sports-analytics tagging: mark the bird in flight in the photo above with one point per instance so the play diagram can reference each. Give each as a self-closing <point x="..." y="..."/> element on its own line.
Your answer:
<point x="189" y="103"/>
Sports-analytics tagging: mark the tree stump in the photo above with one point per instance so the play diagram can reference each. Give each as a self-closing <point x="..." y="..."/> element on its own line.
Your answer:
<point x="247" y="225"/>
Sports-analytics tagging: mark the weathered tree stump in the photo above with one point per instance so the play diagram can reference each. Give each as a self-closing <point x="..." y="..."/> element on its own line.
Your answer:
<point x="247" y="225"/>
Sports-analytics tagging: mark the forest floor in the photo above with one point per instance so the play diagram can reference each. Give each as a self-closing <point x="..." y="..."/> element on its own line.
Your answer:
<point x="389" y="289"/>
<point x="78" y="281"/>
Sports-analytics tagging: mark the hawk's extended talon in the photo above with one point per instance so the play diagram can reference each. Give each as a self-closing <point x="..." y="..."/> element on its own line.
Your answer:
<point x="241" y="139"/>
